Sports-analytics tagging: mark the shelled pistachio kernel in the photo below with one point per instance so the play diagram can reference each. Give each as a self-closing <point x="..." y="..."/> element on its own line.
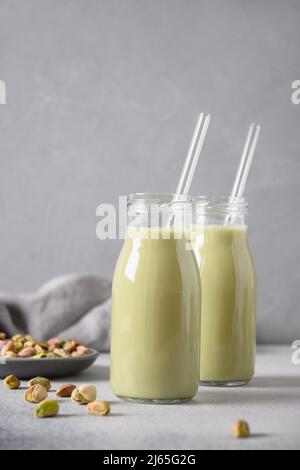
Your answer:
<point x="12" y="382"/>
<point x="40" y="381"/>
<point x="241" y="429"/>
<point x="39" y="356"/>
<point x="36" y="394"/>
<point x="98" y="408"/>
<point x="46" y="409"/>
<point x="19" y="345"/>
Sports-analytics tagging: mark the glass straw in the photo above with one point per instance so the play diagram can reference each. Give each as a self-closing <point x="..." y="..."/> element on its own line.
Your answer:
<point x="193" y="154"/>
<point x="246" y="161"/>
<point x="244" y="166"/>
<point x="192" y="158"/>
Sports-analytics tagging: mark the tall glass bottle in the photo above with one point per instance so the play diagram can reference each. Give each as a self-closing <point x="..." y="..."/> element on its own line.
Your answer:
<point x="228" y="313"/>
<point x="156" y="303"/>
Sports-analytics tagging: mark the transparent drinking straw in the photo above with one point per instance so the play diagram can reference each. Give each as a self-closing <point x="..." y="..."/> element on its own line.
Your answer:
<point x="193" y="154"/>
<point x="243" y="171"/>
<point x="192" y="158"/>
<point x="246" y="161"/>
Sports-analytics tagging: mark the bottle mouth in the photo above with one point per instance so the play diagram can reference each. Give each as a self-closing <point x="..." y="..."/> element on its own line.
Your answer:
<point x="155" y="202"/>
<point x="221" y="205"/>
<point x="159" y="203"/>
<point x="158" y="198"/>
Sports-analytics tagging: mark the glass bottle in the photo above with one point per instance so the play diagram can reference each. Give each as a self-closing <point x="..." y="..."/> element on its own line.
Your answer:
<point x="156" y="304"/>
<point x="228" y="301"/>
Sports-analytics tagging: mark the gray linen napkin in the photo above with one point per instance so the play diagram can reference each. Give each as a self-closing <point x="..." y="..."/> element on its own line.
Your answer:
<point x="71" y="306"/>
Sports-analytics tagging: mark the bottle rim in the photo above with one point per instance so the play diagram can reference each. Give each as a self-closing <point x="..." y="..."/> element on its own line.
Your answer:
<point x="221" y="204"/>
<point x="158" y="198"/>
<point x="156" y="202"/>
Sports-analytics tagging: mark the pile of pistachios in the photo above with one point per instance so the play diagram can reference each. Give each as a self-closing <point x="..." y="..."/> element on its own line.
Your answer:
<point x="39" y="387"/>
<point x="25" y="346"/>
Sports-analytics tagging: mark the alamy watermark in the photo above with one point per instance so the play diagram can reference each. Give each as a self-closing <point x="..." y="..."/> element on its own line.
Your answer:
<point x="296" y="92"/>
<point x="2" y="92"/>
<point x="296" y="353"/>
<point x="145" y="221"/>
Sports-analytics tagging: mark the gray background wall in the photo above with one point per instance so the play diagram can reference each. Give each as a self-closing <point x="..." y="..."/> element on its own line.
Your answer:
<point x="102" y="99"/>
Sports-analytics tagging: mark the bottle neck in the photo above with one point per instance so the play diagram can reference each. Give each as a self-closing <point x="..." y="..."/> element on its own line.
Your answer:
<point x="220" y="211"/>
<point x="165" y="211"/>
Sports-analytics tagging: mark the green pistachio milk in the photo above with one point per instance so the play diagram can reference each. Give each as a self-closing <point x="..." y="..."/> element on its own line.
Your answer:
<point x="228" y="330"/>
<point x="155" y="319"/>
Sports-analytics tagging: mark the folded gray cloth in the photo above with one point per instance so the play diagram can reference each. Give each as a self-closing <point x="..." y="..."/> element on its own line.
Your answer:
<point x="71" y="306"/>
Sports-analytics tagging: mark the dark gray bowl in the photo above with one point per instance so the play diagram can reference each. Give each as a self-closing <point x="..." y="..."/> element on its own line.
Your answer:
<point x="50" y="368"/>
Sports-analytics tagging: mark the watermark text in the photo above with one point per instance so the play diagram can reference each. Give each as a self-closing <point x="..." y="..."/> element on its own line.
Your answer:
<point x="2" y="92"/>
<point x="143" y="221"/>
<point x="296" y="353"/>
<point x="296" y="93"/>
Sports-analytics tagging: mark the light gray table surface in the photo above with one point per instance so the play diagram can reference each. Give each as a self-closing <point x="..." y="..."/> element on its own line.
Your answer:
<point x="271" y="404"/>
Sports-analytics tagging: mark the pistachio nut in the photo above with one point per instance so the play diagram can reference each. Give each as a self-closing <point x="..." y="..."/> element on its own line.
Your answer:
<point x="29" y="338"/>
<point x="42" y="355"/>
<point x="8" y="346"/>
<point x="98" y="408"/>
<point x="82" y="350"/>
<point x="75" y="354"/>
<point x="53" y="344"/>
<point x="65" y="391"/>
<point x="19" y="345"/>
<point x="29" y="344"/>
<point x="88" y="391"/>
<point x="46" y="409"/>
<point x="12" y="382"/>
<point x="36" y="394"/>
<point x="50" y="355"/>
<point x="38" y="349"/>
<point x="60" y="352"/>
<point x="40" y="381"/>
<point x="27" y="352"/>
<point x="78" y="398"/>
<point x="70" y="346"/>
<point x="84" y="394"/>
<point x="17" y="337"/>
<point x="43" y="344"/>
<point x="241" y="429"/>
<point x="11" y="355"/>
